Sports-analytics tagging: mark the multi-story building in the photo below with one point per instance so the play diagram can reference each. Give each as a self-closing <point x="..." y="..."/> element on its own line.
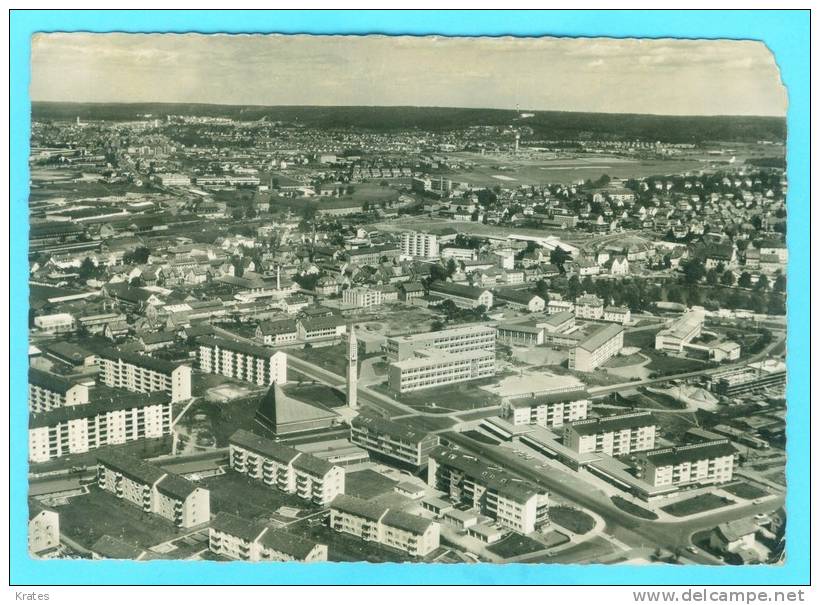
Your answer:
<point x="558" y="323"/>
<point x="275" y="333"/>
<point x="514" y="503"/>
<point x="698" y="463"/>
<point x="285" y="468"/>
<point x="47" y="391"/>
<point x="520" y="334"/>
<point x="362" y="297"/>
<point x="173" y="179"/>
<point x="81" y="428"/>
<point x="455" y="340"/>
<point x="142" y="374"/>
<point x="619" y="315"/>
<point x="433" y="367"/>
<point x="43" y="529"/>
<point x="56" y="323"/>
<point x="616" y="435"/>
<point x="520" y="300"/>
<point x="550" y="410"/>
<point x="392" y="440"/>
<point x="374" y="522"/>
<point x="560" y="306"/>
<point x="463" y="296"/>
<point x="596" y="348"/>
<point x="153" y="489"/>
<point x="321" y="328"/>
<point x="243" y="361"/>
<point x="237" y="538"/>
<point x="769" y="374"/>
<point x="372" y="255"/>
<point x="680" y="332"/>
<point x="419" y="245"/>
<point x="589" y="306"/>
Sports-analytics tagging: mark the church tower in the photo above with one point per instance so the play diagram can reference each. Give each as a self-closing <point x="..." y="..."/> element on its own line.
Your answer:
<point x="352" y="368"/>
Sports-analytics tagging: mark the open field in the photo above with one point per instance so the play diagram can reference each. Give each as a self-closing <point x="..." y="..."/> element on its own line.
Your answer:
<point x="449" y="398"/>
<point x="698" y="504"/>
<point x="367" y="484"/>
<point x="317" y="393"/>
<point x="220" y="420"/>
<point x="747" y="491"/>
<point x="632" y="508"/>
<point x="332" y="358"/>
<point x="89" y="517"/>
<point x="576" y="521"/>
<point x="515" y="545"/>
<point x="249" y="499"/>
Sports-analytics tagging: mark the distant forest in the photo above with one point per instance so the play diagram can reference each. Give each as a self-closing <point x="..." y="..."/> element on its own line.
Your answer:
<point x="550" y="125"/>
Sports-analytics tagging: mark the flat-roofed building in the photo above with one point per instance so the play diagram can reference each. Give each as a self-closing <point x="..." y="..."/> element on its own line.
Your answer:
<point x="616" y="435"/>
<point x="419" y="245"/>
<point x="243" y="361"/>
<point x="755" y="377"/>
<point x="520" y="334"/>
<point x="551" y="410"/>
<point x="699" y="463"/>
<point x="393" y="440"/>
<point x="153" y="489"/>
<point x="514" y="503"/>
<point x="432" y="368"/>
<point x="142" y="373"/>
<point x="237" y="538"/>
<point x="680" y="332"/>
<point x="47" y="391"/>
<point x="461" y="339"/>
<point x="558" y="323"/>
<point x="374" y="522"/>
<point x="286" y="469"/>
<point x="468" y="297"/>
<point x="81" y="428"/>
<point x="598" y="347"/>
<point x="362" y="297"/>
<point x="589" y="306"/>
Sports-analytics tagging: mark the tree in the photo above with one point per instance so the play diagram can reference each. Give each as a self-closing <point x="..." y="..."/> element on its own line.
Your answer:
<point x="436" y="325"/>
<point x="452" y="267"/>
<point x="745" y="280"/>
<point x="138" y="256"/>
<point x="728" y="278"/>
<point x="238" y="214"/>
<point x="559" y="256"/>
<point x="779" y="283"/>
<point x="437" y="273"/>
<point x="693" y="271"/>
<point x="762" y="283"/>
<point x="712" y="277"/>
<point x="87" y="268"/>
<point x="542" y="290"/>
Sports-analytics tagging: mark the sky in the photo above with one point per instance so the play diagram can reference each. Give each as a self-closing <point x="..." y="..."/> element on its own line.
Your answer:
<point x="667" y="76"/>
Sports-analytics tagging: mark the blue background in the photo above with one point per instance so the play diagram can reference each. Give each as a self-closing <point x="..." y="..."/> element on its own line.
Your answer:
<point x="786" y="33"/>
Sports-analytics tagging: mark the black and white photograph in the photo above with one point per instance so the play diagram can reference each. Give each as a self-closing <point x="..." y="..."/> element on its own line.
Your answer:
<point x="407" y="299"/>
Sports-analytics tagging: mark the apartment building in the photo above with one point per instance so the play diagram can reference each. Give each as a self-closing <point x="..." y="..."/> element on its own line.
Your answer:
<point x="321" y="328"/>
<point x="243" y="361"/>
<point x="514" y="503"/>
<point x="373" y="522"/>
<point x="285" y="468"/>
<point x="589" y="306"/>
<point x="433" y="367"/>
<point x="43" y="529"/>
<point x="598" y="347"/>
<point x="547" y="410"/>
<point x="372" y="255"/>
<point x="47" y="391"/>
<point x="619" y="315"/>
<point x="276" y="333"/>
<point x="236" y="538"/>
<point x="362" y="297"/>
<point x="392" y="440"/>
<point x="467" y="297"/>
<point x="560" y="306"/>
<point x="153" y="489"/>
<point x="699" y="463"/>
<point x="419" y="245"/>
<point x="454" y="340"/>
<point x="142" y="374"/>
<point x="616" y="435"/>
<point x="680" y="332"/>
<point x="81" y="428"/>
<point x="168" y="179"/>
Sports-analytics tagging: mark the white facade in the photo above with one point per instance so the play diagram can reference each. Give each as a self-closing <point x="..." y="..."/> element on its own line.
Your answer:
<point x="419" y="245"/>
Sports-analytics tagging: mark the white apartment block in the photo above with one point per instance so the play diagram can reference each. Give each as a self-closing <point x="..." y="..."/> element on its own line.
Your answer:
<point x="455" y="340"/>
<point x="514" y="503"/>
<point x="589" y="306"/>
<point x="597" y="348"/>
<point x="57" y="323"/>
<point x="81" y="428"/>
<point x="459" y="253"/>
<point x="143" y="374"/>
<point x="362" y="297"/>
<point x="47" y="391"/>
<point x="559" y="306"/>
<point x="619" y="315"/>
<point x="432" y="368"/>
<point x="392" y="440"/>
<point x="419" y="245"/>
<point x="43" y="529"/>
<point x="612" y="435"/>
<point x="153" y="489"/>
<point x="170" y="179"/>
<point x="373" y="522"/>
<point x="242" y="361"/>
<point x="285" y="468"/>
<point x="549" y="410"/>
<point x="699" y="463"/>
<point x="236" y="538"/>
<point x="680" y="332"/>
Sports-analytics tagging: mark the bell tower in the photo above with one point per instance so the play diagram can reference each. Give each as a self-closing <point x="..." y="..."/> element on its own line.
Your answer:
<point x="352" y="368"/>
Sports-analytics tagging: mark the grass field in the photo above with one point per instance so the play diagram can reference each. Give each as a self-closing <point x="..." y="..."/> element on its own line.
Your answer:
<point x="576" y="521"/>
<point x="457" y="397"/>
<point x="515" y="545"/>
<point x="665" y="365"/>
<point x="633" y="509"/>
<point x="317" y="393"/>
<point x="332" y="358"/>
<point x="247" y="498"/>
<point x="367" y="484"/>
<point x="747" y="491"/>
<point x="224" y="418"/>
<point x="645" y="339"/>
<point x="695" y="505"/>
<point x="622" y="361"/>
<point x="87" y="518"/>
